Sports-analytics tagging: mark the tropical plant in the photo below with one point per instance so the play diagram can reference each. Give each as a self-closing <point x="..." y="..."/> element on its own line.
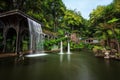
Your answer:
<point x="115" y="31"/>
<point x="104" y="20"/>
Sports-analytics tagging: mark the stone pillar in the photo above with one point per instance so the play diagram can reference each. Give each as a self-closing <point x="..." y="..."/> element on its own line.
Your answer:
<point x="4" y="36"/>
<point x="4" y="40"/>
<point x="18" y="37"/>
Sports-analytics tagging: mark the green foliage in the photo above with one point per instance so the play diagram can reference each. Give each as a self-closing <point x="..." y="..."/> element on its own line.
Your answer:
<point x="48" y="44"/>
<point x="103" y="23"/>
<point x="89" y="46"/>
<point x="98" y="47"/>
<point x="109" y="32"/>
<point x="61" y="32"/>
<point x="2" y="5"/>
<point x="73" y="20"/>
<point x="51" y="13"/>
<point x="104" y="20"/>
<point x="1" y="37"/>
<point x="113" y="20"/>
<point x="24" y="45"/>
<point x="96" y="15"/>
<point x="116" y="6"/>
<point x="10" y="44"/>
<point x="105" y="15"/>
<point x="117" y="55"/>
<point x="74" y="46"/>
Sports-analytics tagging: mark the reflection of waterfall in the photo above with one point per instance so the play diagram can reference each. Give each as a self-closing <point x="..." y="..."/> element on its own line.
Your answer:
<point x="61" y="48"/>
<point x="36" y="36"/>
<point x="68" y="57"/>
<point x="61" y="58"/>
<point x="68" y="52"/>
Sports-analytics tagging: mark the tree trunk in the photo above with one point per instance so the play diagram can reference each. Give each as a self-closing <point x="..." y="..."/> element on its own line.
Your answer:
<point x="118" y="45"/>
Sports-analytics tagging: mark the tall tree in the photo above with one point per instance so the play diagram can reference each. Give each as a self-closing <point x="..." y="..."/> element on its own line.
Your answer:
<point x="73" y="20"/>
<point x="105" y="22"/>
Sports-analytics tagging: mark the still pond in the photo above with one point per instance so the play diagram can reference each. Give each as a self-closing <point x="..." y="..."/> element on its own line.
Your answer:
<point x="81" y="65"/>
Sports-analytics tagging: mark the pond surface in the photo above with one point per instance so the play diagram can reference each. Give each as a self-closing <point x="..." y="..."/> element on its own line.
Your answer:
<point x="77" y="66"/>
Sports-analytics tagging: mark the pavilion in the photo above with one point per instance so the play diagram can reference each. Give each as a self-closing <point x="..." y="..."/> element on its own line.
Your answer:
<point x="14" y="32"/>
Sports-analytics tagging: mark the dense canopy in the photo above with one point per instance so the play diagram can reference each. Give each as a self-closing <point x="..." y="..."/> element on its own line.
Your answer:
<point x="104" y="22"/>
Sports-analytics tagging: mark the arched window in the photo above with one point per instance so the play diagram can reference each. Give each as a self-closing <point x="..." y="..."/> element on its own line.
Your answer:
<point x="24" y="40"/>
<point x="11" y="40"/>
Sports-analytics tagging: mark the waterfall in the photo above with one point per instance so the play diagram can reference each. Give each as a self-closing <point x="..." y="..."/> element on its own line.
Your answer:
<point x="68" y="52"/>
<point x="36" y="36"/>
<point x="61" y="48"/>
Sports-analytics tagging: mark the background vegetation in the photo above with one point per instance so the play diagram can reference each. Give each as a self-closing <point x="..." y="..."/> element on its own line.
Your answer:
<point x="103" y="24"/>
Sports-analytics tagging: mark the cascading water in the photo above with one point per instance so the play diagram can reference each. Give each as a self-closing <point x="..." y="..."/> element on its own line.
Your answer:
<point x="68" y="52"/>
<point x="61" y="48"/>
<point x="36" y="39"/>
<point x="36" y="36"/>
<point x="61" y="52"/>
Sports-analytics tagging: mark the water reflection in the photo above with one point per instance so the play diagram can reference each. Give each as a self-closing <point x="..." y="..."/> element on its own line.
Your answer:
<point x="61" y="58"/>
<point x="68" y="57"/>
<point x="19" y="58"/>
<point x="107" y="62"/>
<point x="77" y="66"/>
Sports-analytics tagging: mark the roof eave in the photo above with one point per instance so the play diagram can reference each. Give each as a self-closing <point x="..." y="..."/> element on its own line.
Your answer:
<point x="13" y="12"/>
